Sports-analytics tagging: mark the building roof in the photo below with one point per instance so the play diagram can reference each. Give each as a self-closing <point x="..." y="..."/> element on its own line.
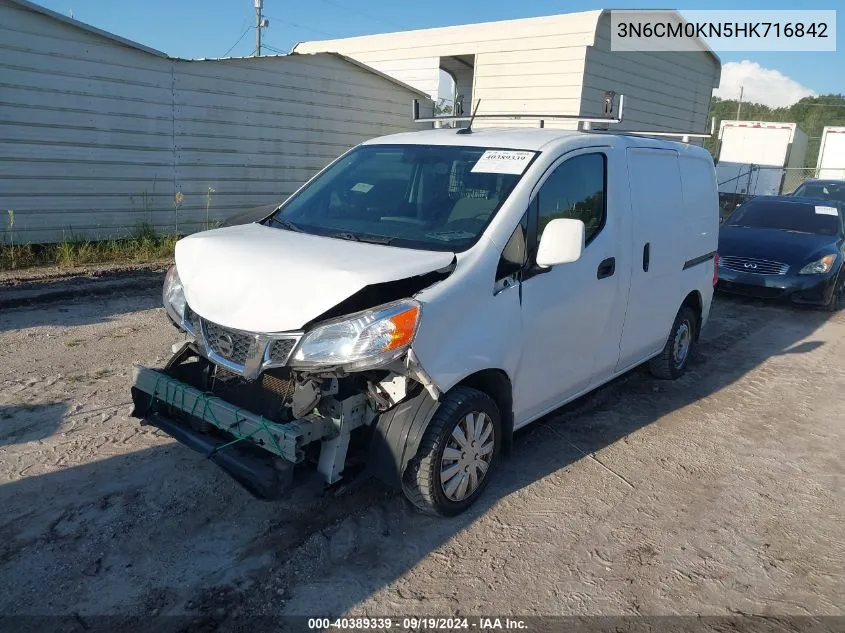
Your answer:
<point x="582" y="26"/>
<point x="36" y="8"/>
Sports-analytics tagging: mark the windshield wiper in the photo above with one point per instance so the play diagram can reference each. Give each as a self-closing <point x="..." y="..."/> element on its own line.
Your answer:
<point x="286" y="224"/>
<point x="370" y="239"/>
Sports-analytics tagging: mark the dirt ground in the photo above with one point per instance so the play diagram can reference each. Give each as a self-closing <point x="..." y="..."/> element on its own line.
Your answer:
<point x="720" y="493"/>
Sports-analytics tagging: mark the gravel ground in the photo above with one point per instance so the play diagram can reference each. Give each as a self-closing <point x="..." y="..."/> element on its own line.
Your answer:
<point x="720" y="493"/>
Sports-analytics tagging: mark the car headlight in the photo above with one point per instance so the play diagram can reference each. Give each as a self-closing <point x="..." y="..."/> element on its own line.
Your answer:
<point x="371" y="338"/>
<point x="819" y="267"/>
<point x="173" y="295"/>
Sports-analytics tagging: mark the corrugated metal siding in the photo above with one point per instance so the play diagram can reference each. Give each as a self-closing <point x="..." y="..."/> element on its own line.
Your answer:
<point x="544" y="80"/>
<point x="85" y="129"/>
<point x="97" y="137"/>
<point x="558" y="64"/>
<point x="253" y="130"/>
<point x="422" y="73"/>
<point x="466" y="39"/>
<point x="668" y="91"/>
<point x="500" y="47"/>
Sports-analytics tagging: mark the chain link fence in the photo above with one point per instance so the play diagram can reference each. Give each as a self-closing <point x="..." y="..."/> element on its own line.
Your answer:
<point x="794" y="176"/>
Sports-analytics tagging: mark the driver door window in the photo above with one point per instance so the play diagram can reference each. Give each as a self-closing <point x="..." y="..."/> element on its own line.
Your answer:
<point x="576" y="189"/>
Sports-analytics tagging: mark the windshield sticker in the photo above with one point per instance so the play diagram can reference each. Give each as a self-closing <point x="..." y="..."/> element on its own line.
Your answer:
<point x="362" y="187"/>
<point x="495" y="161"/>
<point x="827" y="211"/>
<point x="450" y="236"/>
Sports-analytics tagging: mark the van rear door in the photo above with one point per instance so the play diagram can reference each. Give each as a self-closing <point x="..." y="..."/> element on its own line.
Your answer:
<point x="658" y="241"/>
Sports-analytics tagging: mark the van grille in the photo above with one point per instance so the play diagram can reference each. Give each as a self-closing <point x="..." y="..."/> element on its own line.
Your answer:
<point x="753" y="265"/>
<point x="232" y="345"/>
<point x="281" y="349"/>
<point x="245" y="353"/>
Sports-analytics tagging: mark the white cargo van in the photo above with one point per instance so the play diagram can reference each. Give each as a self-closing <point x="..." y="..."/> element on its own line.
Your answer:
<point x="426" y="295"/>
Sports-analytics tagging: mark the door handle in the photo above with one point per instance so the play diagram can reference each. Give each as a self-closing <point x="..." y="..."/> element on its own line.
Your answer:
<point x="606" y="268"/>
<point x="646" y="255"/>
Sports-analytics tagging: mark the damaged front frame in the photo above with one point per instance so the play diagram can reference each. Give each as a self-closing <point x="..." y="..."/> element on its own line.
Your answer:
<point x="287" y="441"/>
<point x="416" y="372"/>
<point x="165" y="401"/>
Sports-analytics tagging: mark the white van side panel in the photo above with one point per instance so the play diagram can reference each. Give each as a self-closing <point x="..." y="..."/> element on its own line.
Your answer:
<point x="700" y="209"/>
<point x="654" y="178"/>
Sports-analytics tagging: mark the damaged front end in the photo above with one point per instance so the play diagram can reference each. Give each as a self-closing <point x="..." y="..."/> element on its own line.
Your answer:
<point x="264" y="405"/>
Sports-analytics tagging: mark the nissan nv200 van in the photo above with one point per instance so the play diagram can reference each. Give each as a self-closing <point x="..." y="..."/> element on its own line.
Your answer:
<point x="426" y="295"/>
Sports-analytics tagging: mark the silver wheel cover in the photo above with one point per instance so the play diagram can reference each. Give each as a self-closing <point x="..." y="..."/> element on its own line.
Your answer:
<point x="466" y="457"/>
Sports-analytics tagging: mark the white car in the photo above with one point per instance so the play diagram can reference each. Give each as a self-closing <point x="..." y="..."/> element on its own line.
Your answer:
<point x="426" y="295"/>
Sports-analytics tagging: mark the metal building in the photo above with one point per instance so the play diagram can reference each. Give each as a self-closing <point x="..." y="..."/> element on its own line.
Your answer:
<point x="99" y="134"/>
<point x="560" y="64"/>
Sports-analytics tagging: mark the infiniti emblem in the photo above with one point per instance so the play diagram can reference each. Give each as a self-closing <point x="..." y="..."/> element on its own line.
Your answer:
<point x="225" y="345"/>
<point x="750" y="265"/>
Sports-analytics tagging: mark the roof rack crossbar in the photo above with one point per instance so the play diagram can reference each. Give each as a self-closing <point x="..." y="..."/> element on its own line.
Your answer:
<point x="588" y="120"/>
<point x="520" y="115"/>
<point x="685" y="136"/>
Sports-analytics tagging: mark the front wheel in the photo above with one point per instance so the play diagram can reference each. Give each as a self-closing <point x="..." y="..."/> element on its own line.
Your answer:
<point x="457" y="454"/>
<point x="836" y="297"/>
<point x="672" y="362"/>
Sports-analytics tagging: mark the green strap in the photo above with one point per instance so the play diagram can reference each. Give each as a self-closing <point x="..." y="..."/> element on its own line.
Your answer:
<point x="208" y="415"/>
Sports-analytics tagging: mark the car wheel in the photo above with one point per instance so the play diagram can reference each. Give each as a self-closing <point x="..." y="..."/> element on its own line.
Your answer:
<point x="672" y="361"/>
<point x="457" y="454"/>
<point x="836" y="298"/>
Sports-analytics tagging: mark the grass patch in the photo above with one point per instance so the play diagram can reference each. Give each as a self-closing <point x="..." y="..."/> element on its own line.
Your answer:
<point x="145" y="244"/>
<point x="73" y="342"/>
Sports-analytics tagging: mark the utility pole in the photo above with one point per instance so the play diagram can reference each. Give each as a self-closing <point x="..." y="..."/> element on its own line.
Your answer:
<point x="259" y="24"/>
<point x="738" y="106"/>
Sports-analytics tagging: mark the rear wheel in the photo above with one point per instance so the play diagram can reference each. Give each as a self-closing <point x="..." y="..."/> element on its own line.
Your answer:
<point x="457" y="454"/>
<point x="672" y="361"/>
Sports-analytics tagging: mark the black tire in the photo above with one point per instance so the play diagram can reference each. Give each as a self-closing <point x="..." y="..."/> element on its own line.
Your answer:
<point x="836" y="299"/>
<point x="421" y="482"/>
<point x="665" y="365"/>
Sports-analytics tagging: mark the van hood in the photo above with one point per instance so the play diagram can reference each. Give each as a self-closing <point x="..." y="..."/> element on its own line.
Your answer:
<point x="263" y="279"/>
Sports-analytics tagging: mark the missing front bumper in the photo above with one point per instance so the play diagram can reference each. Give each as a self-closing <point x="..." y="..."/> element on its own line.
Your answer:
<point x="265" y="477"/>
<point x="155" y="391"/>
<point x="259" y="453"/>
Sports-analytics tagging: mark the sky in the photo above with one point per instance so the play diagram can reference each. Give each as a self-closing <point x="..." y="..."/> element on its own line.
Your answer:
<point x="212" y="28"/>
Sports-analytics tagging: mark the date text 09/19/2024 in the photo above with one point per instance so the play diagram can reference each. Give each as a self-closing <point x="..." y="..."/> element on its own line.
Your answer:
<point x="417" y="624"/>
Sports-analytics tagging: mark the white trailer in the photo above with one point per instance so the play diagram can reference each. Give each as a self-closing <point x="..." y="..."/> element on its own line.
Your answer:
<point x="831" y="163"/>
<point x="753" y="156"/>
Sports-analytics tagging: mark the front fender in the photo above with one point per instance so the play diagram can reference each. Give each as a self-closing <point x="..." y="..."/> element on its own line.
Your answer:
<point x="467" y="328"/>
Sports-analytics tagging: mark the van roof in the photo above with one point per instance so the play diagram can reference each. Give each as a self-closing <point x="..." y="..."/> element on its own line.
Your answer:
<point x="513" y="138"/>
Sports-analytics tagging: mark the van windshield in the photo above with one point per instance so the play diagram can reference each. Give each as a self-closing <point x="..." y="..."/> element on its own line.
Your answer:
<point x="431" y="197"/>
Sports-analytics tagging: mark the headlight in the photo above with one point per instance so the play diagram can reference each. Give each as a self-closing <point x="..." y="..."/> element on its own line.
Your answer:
<point x="819" y="267"/>
<point x="371" y="338"/>
<point x="173" y="295"/>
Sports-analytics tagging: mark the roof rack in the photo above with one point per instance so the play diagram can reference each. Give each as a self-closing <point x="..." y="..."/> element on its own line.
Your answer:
<point x="588" y="121"/>
<point x="607" y="118"/>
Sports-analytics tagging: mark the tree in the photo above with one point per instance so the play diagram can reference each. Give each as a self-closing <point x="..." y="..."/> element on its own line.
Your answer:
<point x="442" y="108"/>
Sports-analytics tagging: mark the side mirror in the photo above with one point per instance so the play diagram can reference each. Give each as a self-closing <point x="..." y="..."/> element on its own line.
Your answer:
<point x="562" y="242"/>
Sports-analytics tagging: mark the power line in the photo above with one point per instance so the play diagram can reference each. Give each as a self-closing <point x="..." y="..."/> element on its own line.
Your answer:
<point x="306" y="28"/>
<point x="249" y="28"/>
<point x="274" y="49"/>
